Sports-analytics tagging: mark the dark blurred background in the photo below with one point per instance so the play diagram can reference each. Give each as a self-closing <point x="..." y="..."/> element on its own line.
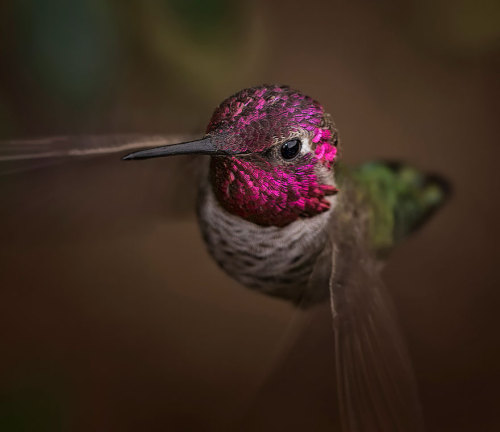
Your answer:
<point x="112" y="315"/>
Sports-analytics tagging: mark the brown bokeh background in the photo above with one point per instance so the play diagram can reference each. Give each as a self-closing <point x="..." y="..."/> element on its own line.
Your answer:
<point x="112" y="315"/>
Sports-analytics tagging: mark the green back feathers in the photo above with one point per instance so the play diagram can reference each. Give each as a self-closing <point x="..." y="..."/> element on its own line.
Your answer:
<point x="397" y="197"/>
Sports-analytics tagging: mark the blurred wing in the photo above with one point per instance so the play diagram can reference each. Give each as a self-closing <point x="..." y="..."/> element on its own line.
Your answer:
<point x="376" y="385"/>
<point x="90" y="197"/>
<point x="22" y="155"/>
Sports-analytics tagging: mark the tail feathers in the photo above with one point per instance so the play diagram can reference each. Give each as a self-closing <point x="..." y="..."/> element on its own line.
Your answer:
<point x="401" y="199"/>
<point x="419" y="196"/>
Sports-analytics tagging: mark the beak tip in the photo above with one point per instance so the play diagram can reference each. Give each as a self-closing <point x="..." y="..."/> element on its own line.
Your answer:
<point x="128" y="157"/>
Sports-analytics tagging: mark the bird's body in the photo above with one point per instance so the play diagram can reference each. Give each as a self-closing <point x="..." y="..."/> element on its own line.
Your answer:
<point x="277" y="261"/>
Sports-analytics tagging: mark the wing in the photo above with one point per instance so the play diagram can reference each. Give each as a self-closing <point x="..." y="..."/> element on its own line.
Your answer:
<point x="376" y="385"/>
<point x="85" y="196"/>
<point x="23" y="155"/>
<point x="84" y="145"/>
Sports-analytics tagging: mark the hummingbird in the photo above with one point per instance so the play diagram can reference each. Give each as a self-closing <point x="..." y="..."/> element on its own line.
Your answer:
<point x="281" y="214"/>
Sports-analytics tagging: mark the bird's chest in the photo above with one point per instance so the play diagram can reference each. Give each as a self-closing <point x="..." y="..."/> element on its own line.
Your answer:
<point x="275" y="260"/>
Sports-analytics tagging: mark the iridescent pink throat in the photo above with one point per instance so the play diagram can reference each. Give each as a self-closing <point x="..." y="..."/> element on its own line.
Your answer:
<point x="272" y="195"/>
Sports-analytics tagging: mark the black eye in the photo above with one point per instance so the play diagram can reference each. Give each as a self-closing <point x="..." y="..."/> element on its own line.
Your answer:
<point x="290" y="149"/>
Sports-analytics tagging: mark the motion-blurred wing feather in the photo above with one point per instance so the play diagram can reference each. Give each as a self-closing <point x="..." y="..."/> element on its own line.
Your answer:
<point x="18" y="156"/>
<point x="91" y="196"/>
<point x="85" y="145"/>
<point x="376" y="384"/>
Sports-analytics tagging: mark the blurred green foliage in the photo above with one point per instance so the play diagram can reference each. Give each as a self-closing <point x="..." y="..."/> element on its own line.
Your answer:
<point x="207" y="20"/>
<point x="70" y="47"/>
<point x="457" y="27"/>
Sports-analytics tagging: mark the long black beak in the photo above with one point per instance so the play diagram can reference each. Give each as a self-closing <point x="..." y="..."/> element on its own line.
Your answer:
<point x="205" y="146"/>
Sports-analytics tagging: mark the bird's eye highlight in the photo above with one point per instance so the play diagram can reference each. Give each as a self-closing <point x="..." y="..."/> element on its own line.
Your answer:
<point x="290" y="149"/>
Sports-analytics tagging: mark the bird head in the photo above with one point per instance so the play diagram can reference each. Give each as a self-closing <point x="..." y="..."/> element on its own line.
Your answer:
<point x="273" y="151"/>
